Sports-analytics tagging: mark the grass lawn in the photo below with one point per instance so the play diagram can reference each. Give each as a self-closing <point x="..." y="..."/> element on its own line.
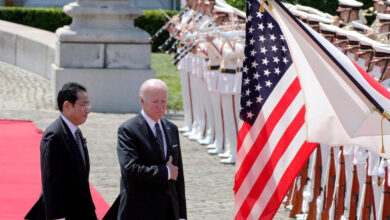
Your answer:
<point x="167" y="72"/>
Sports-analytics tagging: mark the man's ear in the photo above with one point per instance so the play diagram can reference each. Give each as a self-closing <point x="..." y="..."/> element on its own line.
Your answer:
<point x="66" y="105"/>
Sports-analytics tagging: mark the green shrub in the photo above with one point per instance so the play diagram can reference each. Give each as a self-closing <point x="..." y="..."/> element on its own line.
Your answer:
<point x="151" y="22"/>
<point x="43" y="18"/>
<point x="52" y="18"/>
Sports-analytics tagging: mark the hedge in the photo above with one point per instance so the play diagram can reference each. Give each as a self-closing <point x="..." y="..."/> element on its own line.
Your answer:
<point x="52" y="18"/>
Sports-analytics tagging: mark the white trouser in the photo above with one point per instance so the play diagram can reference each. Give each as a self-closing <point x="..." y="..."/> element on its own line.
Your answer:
<point x="187" y="98"/>
<point x="230" y="124"/>
<point x="218" y="123"/>
<point x="208" y="109"/>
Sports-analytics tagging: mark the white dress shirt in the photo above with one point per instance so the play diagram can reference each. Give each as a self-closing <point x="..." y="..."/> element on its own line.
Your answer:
<point x="71" y="126"/>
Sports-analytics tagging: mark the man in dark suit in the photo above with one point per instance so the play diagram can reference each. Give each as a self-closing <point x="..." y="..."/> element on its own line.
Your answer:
<point x="152" y="181"/>
<point x="65" y="162"/>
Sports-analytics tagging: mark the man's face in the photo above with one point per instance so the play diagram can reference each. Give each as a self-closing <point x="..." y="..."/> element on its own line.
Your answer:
<point x="380" y="7"/>
<point x="78" y="112"/>
<point x="154" y="102"/>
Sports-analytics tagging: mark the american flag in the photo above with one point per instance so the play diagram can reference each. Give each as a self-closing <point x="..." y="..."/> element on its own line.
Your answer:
<point x="272" y="145"/>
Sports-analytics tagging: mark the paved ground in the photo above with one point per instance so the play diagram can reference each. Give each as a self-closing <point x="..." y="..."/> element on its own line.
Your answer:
<point x="209" y="184"/>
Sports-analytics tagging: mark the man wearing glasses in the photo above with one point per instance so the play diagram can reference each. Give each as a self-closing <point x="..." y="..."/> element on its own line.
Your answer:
<point x="65" y="161"/>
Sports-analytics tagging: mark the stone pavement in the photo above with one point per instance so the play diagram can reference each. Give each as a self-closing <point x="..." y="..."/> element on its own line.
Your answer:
<point x="26" y="96"/>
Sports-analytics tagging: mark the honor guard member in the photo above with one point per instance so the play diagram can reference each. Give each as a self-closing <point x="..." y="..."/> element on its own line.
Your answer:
<point x="226" y="83"/>
<point x="382" y="29"/>
<point x="197" y="127"/>
<point x="379" y="6"/>
<point x="353" y="45"/>
<point x="214" y="50"/>
<point x="314" y="21"/>
<point x="184" y="77"/>
<point x="341" y="40"/>
<point x="381" y="62"/>
<point x="328" y="31"/>
<point x="349" y="11"/>
<point x="208" y="20"/>
<point x="203" y="111"/>
<point x="365" y="53"/>
<point x="361" y="28"/>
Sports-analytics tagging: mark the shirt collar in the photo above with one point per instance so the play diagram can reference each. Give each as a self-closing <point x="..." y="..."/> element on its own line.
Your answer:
<point x="150" y="121"/>
<point x="71" y="126"/>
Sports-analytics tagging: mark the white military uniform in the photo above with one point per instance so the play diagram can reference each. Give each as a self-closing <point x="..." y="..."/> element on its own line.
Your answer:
<point x="215" y="57"/>
<point x="185" y="80"/>
<point x="226" y="84"/>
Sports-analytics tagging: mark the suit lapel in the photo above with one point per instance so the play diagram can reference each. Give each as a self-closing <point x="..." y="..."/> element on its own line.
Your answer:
<point x="73" y="147"/>
<point x="149" y="137"/>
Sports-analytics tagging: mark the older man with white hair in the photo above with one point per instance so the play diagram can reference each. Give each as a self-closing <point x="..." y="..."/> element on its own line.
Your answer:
<point x="152" y="180"/>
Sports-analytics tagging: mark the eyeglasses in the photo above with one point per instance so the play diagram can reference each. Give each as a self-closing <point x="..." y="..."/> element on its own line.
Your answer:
<point x="84" y="106"/>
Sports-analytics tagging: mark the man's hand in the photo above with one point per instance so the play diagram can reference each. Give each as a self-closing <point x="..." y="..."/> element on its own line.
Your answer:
<point x="172" y="169"/>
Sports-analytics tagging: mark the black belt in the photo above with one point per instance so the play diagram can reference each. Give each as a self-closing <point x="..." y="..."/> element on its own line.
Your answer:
<point x="168" y="192"/>
<point x="239" y="69"/>
<point x="213" y="67"/>
<point x="229" y="71"/>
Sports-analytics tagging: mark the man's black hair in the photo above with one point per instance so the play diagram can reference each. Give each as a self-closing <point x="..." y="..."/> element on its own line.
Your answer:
<point x="69" y="93"/>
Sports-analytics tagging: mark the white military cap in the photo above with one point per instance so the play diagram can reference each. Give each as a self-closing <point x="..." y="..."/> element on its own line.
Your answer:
<point x="349" y="4"/>
<point x="299" y="14"/>
<point x="221" y="11"/>
<point x="359" y="27"/>
<point x="316" y="19"/>
<point x="353" y="39"/>
<point x="341" y="35"/>
<point x="327" y="30"/>
<point x="366" y="44"/>
<point x="320" y="13"/>
<point x="383" y="17"/>
<point x="381" y="53"/>
<point x="303" y="8"/>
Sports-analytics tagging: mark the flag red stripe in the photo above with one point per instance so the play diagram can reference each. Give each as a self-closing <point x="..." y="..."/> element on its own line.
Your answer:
<point x="288" y="177"/>
<point x="242" y="133"/>
<point x="268" y="170"/>
<point x="375" y="84"/>
<point x="265" y="132"/>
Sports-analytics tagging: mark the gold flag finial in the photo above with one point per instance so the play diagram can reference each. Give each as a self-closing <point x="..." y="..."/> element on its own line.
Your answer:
<point x="262" y="5"/>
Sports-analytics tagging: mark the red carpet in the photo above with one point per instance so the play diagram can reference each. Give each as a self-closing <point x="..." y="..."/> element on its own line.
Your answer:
<point x="20" y="175"/>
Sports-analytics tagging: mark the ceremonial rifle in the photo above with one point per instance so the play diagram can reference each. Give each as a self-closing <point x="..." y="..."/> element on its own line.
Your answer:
<point x="165" y="26"/>
<point x="341" y="188"/>
<point x="354" y="195"/>
<point x="290" y="194"/>
<point x="368" y="205"/>
<point x="297" y="205"/>
<point x="386" y="197"/>
<point x="330" y="187"/>
<point x="317" y="186"/>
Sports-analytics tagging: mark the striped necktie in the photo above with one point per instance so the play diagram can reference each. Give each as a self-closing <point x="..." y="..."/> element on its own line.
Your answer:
<point x="159" y="139"/>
